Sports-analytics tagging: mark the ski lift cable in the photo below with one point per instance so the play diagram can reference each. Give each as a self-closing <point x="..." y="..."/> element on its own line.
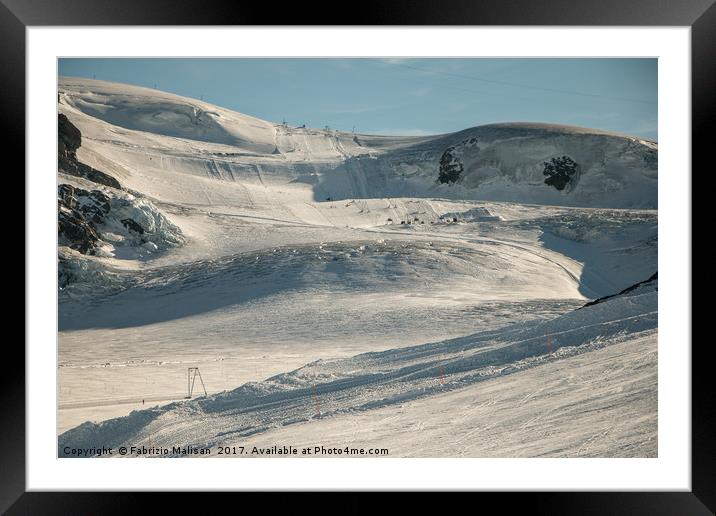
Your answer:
<point x="527" y="86"/>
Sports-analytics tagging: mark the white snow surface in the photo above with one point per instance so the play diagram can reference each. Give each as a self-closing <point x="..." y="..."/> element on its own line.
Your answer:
<point x="292" y="257"/>
<point x="378" y="380"/>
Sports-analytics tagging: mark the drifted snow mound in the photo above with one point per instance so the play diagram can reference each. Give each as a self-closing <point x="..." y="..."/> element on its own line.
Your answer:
<point x="136" y="221"/>
<point x="478" y="214"/>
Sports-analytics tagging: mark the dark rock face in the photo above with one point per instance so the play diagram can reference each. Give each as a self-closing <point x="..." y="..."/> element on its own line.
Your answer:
<point x="79" y="212"/>
<point x="69" y="139"/>
<point x="654" y="277"/>
<point x="561" y="172"/>
<point x="77" y="232"/>
<point x="133" y="226"/>
<point x="92" y="205"/>
<point x="98" y="177"/>
<point x="450" y="167"/>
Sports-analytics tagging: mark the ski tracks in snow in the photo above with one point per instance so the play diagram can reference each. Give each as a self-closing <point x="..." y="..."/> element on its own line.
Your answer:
<point x="374" y="380"/>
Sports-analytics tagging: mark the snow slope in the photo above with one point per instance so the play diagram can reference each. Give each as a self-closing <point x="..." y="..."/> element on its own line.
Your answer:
<point x="598" y="404"/>
<point x="156" y="135"/>
<point x="303" y="246"/>
<point x="365" y="382"/>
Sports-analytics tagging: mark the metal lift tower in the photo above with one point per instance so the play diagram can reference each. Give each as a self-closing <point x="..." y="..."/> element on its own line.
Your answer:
<point x="192" y="373"/>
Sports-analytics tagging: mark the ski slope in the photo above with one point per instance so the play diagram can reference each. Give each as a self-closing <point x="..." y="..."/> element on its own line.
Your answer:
<point x="341" y="258"/>
<point x="379" y="380"/>
<point x="513" y="416"/>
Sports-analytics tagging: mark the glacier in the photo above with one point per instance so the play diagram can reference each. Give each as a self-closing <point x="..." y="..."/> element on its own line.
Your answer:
<point x="326" y="281"/>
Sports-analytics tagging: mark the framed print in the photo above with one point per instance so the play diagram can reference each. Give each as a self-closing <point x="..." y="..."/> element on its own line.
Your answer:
<point x="435" y="249"/>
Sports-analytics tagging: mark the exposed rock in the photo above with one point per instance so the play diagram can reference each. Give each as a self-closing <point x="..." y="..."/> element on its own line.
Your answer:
<point x="96" y="222"/>
<point x="96" y="206"/>
<point x="450" y="167"/>
<point x="69" y="139"/>
<point x="96" y="176"/>
<point x="651" y="279"/>
<point x="76" y="232"/>
<point x="133" y="226"/>
<point x="561" y="172"/>
<point x="66" y="196"/>
<point x="93" y="205"/>
<point x="79" y="211"/>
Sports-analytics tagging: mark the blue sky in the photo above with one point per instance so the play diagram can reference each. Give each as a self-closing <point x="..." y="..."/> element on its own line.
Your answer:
<point x="406" y="96"/>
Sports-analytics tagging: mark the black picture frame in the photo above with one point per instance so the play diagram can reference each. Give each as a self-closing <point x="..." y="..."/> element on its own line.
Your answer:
<point x="700" y="15"/>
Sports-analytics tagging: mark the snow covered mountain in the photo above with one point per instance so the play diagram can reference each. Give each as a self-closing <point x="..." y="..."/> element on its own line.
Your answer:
<point x="505" y="162"/>
<point x="195" y="236"/>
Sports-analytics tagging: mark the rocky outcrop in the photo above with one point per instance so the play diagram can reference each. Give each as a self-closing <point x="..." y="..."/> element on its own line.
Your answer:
<point x="561" y="172"/>
<point x="133" y="226"/>
<point x="451" y="166"/>
<point x="93" y="205"/>
<point x="69" y="139"/>
<point x="651" y="280"/>
<point x="79" y="213"/>
<point x="76" y="232"/>
<point x="97" y="222"/>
